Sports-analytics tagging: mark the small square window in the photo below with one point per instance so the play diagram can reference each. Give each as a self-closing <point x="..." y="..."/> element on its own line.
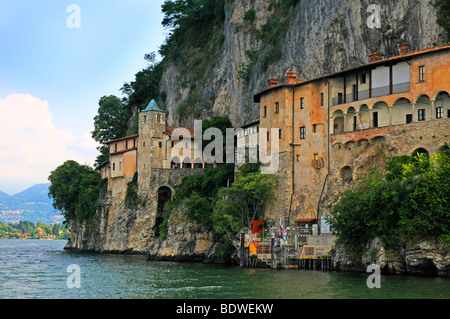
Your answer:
<point x="363" y="78"/>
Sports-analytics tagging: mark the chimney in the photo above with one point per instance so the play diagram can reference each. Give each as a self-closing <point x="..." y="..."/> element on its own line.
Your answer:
<point x="273" y="82"/>
<point x="374" y="57"/>
<point x="404" y="48"/>
<point x="291" y="77"/>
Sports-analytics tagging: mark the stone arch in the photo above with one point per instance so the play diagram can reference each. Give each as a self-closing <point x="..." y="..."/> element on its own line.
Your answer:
<point x="423" y="107"/>
<point x="380" y="114"/>
<point x="420" y="96"/>
<point x="401" y="111"/>
<point x="164" y="195"/>
<point x="175" y="163"/>
<point x="337" y="145"/>
<point x="198" y="163"/>
<point x="351" y="119"/>
<point x="442" y="100"/>
<point x="444" y="148"/>
<point x="362" y="142"/>
<point x="187" y="164"/>
<point x="377" y="139"/>
<point x="364" y="116"/>
<point x="338" y="122"/>
<point x="420" y="150"/>
<point x="347" y="174"/>
<point x="350" y="145"/>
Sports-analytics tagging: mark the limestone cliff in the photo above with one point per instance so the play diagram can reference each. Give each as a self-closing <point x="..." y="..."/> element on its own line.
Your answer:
<point x="313" y="38"/>
<point x="414" y="257"/>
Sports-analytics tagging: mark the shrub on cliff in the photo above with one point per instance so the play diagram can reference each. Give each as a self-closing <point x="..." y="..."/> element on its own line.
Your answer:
<point x="74" y="189"/>
<point x="409" y="201"/>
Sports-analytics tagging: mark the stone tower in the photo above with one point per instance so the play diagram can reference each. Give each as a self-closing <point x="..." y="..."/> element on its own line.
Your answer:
<point x="152" y="128"/>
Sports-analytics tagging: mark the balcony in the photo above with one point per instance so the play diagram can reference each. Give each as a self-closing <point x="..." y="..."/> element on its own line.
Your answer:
<point x="375" y="92"/>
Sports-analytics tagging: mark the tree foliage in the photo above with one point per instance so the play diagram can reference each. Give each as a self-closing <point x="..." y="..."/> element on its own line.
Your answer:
<point x="409" y="201"/>
<point x="145" y="87"/>
<point x="74" y="189"/>
<point x="190" y="21"/>
<point x="443" y="14"/>
<point x="243" y="202"/>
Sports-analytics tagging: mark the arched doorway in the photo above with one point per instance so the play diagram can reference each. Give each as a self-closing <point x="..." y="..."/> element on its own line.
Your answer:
<point x="164" y="197"/>
<point x="380" y="114"/>
<point x="347" y="174"/>
<point x="364" y="117"/>
<point x="338" y="122"/>
<point x="420" y="151"/>
<point x="402" y="111"/>
<point x="175" y="163"/>
<point x="423" y="108"/>
<point x="442" y="105"/>
<point x="187" y="163"/>
<point x="198" y="163"/>
<point x="351" y="120"/>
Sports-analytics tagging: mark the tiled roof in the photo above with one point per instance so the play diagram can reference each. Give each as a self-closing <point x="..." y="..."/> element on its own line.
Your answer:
<point x="362" y="66"/>
<point x="170" y="129"/>
<point x="123" y="138"/>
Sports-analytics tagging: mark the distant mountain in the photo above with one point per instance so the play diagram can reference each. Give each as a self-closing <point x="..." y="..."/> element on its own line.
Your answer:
<point x="33" y="204"/>
<point x="36" y="193"/>
<point x="7" y="200"/>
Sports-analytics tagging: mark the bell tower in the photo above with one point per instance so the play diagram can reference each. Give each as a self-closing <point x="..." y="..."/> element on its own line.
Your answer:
<point x="152" y="127"/>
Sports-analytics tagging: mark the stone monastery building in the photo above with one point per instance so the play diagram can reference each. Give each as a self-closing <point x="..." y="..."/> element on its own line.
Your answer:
<point x="332" y="130"/>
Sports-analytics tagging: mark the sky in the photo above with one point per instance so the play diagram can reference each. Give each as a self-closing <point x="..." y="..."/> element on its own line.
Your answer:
<point x="57" y="59"/>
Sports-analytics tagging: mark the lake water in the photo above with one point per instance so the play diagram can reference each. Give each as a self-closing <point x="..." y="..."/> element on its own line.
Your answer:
<point x="37" y="269"/>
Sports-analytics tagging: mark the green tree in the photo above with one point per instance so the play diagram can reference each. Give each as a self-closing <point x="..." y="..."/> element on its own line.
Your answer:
<point x="111" y="122"/>
<point x="145" y="87"/>
<point x="409" y="200"/>
<point x="443" y="14"/>
<point x="74" y="189"/>
<point x="243" y="202"/>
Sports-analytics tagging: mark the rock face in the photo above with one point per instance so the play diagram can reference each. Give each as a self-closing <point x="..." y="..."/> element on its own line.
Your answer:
<point x="321" y="37"/>
<point x="420" y="257"/>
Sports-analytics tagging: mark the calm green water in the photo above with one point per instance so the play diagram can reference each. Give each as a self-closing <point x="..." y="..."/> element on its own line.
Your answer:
<point x="38" y="269"/>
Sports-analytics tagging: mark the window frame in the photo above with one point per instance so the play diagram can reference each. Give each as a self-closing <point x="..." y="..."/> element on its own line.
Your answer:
<point x="421" y="115"/>
<point x="422" y="73"/>
<point x="439" y="112"/>
<point x="303" y="132"/>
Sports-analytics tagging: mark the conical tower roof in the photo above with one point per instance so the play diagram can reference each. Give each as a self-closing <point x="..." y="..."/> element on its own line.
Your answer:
<point x="152" y="106"/>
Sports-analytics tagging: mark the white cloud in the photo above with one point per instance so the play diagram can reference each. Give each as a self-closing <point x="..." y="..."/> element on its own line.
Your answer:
<point x="31" y="146"/>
